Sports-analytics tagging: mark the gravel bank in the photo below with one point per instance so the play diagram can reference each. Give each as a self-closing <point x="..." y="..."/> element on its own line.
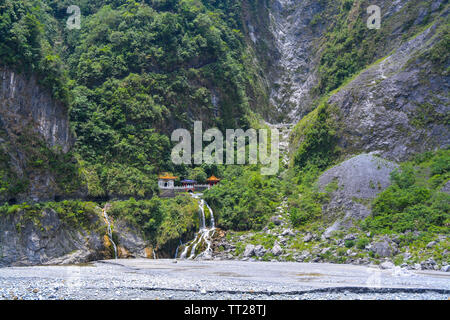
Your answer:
<point x="164" y="279"/>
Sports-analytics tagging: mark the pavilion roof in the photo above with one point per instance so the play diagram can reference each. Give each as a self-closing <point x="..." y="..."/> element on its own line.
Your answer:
<point x="213" y="179"/>
<point x="167" y="176"/>
<point x="188" y="181"/>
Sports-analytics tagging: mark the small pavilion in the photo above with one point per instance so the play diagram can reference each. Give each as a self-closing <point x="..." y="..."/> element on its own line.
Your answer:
<point x="188" y="185"/>
<point x="166" y="181"/>
<point x="212" y="181"/>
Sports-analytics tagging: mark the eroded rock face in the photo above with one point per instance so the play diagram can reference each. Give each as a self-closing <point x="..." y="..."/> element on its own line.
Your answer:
<point x="30" y="117"/>
<point x="294" y="39"/>
<point x="398" y="107"/>
<point x="25" y="104"/>
<point x="48" y="240"/>
<point x="352" y="185"/>
<point x="131" y="243"/>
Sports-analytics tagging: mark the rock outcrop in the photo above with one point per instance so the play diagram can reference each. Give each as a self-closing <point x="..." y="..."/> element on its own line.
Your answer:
<point x="46" y="237"/>
<point x="130" y="243"/>
<point x="25" y="104"/>
<point x="352" y="185"/>
<point x="30" y="121"/>
<point x="399" y="106"/>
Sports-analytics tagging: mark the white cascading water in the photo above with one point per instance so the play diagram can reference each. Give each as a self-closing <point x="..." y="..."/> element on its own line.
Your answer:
<point x="204" y="234"/>
<point x="105" y="216"/>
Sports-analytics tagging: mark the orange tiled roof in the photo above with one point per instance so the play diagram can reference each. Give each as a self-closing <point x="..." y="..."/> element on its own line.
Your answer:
<point x="166" y="176"/>
<point x="213" y="178"/>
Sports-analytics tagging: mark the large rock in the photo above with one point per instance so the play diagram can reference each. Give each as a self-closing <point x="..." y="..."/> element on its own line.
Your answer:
<point x="276" y="220"/>
<point x="249" y="251"/>
<point x="131" y="242"/>
<point x="308" y="237"/>
<point x="387" y="265"/>
<point x="30" y="116"/>
<point x="259" y="251"/>
<point x="446" y="187"/>
<point x="352" y="185"/>
<point x="276" y="249"/>
<point x="384" y="248"/>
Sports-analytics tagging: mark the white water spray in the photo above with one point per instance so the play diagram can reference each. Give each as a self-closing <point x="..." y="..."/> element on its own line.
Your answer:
<point x="106" y="218"/>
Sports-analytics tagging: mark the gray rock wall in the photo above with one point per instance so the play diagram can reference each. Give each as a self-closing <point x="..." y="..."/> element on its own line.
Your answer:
<point x="356" y="182"/>
<point x="46" y="240"/>
<point x="25" y="104"/>
<point x="398" y="107"/>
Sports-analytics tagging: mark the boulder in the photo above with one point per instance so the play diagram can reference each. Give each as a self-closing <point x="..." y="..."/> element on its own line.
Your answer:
<point x="384" y="248"/>
<point x="276" y="220"/>
<point x="259" y="251"/>
<point x="276" y="250"/>
<point x="431" y="244"/>
<point x="350" y="237"/>
<point x="288" y="232"/>
<point x="387" y="265"/>
<point x="249" y="251"/>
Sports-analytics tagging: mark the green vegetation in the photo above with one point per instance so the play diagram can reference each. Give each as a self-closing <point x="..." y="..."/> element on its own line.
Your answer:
<point x="160" y="220"/>
<point x="131" y="74"/>
<point x="244" y="199"/>
<point x="24" y="43"/>
<point x="74" y="213"/>
<point x="349" y="46"/>
<point x="316" y="138"/>
<point x="414" y="202"/>
<point x="140" y="70"/>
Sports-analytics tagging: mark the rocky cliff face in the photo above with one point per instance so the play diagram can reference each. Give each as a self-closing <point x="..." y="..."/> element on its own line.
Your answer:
<point x="290" y="38"/>
<point x="357" y="182"/>
<point x="46" y="240"/>
<point x="294" y="39"/>
<point x="399" y="106"/>
<point x="46" y="237"/>
<point x="24" y="104"/>
<point x="285" y="43"/>
<point x="34" y="134"/>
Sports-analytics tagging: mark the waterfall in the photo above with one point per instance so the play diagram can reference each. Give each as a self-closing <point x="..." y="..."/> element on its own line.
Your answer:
<point x="213" y="222"/>
<point x="176" y="251"/>
<point x="106" y="218"/>
<point x="203" y="236"/>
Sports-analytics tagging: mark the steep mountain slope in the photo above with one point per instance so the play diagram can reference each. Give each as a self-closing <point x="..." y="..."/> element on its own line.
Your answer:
<point x="35" y="142"/>
<point x="310" y="48"/>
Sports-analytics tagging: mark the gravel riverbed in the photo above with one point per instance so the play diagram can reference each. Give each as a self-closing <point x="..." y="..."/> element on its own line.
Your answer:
<point x="165" y="279"/>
